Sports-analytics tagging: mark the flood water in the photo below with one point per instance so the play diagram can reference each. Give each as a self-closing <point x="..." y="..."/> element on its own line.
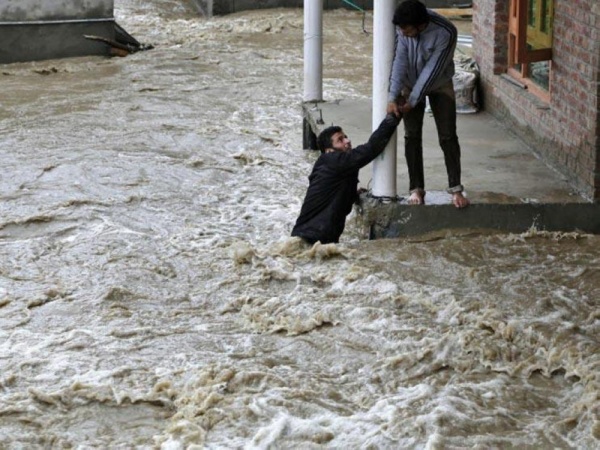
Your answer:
<point x="151" y="297"/>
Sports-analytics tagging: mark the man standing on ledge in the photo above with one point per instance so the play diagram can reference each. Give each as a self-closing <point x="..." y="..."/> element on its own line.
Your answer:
<point x="423" y="66"/>
<point x="333" y="181"/>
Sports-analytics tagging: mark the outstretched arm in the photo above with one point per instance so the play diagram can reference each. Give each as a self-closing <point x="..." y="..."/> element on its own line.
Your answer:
<point x="365" y="153"/>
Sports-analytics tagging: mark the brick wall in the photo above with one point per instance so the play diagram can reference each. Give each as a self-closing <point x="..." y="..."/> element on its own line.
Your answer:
<point x="566" y="131"/>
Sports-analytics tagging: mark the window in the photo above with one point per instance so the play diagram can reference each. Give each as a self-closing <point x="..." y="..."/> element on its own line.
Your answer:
<point x="530" y="43"/>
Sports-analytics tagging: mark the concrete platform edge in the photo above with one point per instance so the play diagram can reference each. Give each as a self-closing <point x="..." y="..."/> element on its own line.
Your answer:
<point x="392" y="220"/>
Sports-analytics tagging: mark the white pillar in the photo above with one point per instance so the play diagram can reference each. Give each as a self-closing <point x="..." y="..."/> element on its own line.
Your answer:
<point x="384" y="166"/>
<point x="313" y="50"/>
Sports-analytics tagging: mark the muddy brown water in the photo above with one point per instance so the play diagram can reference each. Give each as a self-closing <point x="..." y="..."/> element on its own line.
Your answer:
<point x="151" y="297"/>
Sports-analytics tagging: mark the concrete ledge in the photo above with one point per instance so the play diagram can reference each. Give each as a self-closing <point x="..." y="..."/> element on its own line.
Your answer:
<point x="393" y="220"/>
<point x="56" y="40"/>
<point x="34" y="30"/>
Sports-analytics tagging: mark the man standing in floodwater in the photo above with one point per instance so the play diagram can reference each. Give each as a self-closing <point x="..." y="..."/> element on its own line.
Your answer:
<point x="423" y="67"/>
<point x="334" y="179"/>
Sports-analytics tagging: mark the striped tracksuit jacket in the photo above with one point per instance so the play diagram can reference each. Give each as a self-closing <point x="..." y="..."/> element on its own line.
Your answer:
<point x="425" y="62"/>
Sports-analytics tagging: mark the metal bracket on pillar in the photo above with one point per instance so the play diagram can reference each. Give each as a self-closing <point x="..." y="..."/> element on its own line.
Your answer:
<point x="320" y="120"/>
<point x="384" y="199"/>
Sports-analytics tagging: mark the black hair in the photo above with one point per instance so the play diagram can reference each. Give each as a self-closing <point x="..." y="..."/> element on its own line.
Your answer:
<point x="324" y="139"/>
<point x="410" y="13"/>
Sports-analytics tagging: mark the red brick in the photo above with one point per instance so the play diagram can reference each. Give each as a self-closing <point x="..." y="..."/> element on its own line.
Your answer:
<point x="567" y="134"/>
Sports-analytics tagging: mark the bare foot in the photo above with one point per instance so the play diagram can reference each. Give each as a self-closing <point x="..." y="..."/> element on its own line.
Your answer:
<point x="417" y="197"/>
<point x="459" y="200"/>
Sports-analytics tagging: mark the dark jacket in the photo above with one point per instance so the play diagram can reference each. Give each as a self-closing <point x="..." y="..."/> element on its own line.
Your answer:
<point x="332" y="187"/>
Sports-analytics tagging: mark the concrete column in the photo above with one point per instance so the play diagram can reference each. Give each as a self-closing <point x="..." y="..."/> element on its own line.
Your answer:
<point x="384" y="166"/>
<point x="313" y="50"/>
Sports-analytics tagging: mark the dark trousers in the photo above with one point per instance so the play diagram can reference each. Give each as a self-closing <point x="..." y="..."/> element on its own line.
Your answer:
<point x="443" y="106"/>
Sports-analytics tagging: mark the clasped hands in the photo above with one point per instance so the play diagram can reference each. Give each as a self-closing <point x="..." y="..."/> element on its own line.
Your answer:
<point x="400" y="106"/>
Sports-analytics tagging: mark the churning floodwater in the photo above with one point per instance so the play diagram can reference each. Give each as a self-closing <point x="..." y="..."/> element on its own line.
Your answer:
<point x="151" y="297"/>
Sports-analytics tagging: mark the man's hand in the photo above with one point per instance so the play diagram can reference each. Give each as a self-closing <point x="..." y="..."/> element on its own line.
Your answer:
<point x="405" y="108"/>
<point x="392" y="108"/>
<point x="399" y="107"/>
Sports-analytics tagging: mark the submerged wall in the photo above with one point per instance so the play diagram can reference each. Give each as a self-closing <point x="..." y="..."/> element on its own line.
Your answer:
<point x="231" y="6"/>
<point x="40" y="29"/>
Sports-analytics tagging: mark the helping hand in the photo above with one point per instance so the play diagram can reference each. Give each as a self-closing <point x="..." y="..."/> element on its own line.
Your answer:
<point x="405" y="108"/>
<point x="392" y="108"/>
<point x="399" y="107"/>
